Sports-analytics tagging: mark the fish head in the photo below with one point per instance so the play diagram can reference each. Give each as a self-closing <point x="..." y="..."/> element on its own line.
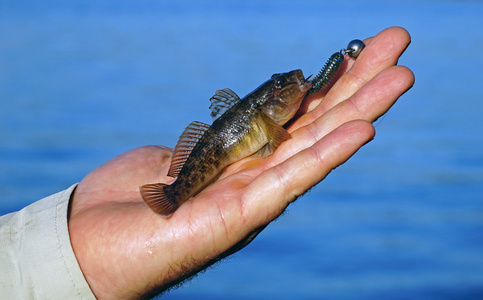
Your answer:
<point x="285" y="92"/>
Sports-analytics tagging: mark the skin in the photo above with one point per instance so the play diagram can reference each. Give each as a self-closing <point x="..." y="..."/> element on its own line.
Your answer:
<point x="127" y="251"/>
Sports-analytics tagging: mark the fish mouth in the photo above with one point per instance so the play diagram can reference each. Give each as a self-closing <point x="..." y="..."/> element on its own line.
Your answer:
<point x="299" y="75"/>
<point x="303" y="82"/>
<point x="299" y="79"/>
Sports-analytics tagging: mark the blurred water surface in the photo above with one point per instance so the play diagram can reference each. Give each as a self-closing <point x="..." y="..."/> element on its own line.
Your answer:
<point x="82" y="82"/>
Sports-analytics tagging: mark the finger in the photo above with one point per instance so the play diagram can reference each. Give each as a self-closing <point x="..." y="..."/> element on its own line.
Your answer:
<point x="270" y="193"/>
<point x="311" y="101"/>
<point x="381" y="52"/>
<point x="370" y="102"/>
<point x="376" y="97"/>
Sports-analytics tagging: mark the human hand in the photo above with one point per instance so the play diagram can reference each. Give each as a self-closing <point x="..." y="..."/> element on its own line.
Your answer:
<point x="127" y="251"/>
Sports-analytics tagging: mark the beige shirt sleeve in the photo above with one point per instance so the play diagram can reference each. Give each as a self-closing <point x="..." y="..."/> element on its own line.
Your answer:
<point x="36" y="257"/>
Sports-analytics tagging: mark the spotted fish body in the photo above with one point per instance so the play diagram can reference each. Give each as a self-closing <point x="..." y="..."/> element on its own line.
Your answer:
<point x="241" y="127"/>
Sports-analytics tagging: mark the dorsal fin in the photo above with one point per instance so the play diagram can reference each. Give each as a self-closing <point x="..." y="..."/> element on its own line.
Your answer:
<point x="222" y="101"/>
<point x="188" y="139"/>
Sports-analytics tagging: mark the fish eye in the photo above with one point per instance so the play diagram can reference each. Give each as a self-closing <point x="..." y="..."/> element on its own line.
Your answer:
<point x="280" y="81"/>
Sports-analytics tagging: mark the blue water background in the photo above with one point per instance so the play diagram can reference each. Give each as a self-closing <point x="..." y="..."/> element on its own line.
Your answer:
<point x="81" y="82"/>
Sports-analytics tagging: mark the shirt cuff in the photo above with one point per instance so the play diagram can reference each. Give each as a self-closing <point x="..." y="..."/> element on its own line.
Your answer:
<point x="36" y="256"/>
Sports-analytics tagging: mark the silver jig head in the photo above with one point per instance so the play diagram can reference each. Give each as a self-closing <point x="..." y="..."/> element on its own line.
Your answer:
<point x="354" y="48"/>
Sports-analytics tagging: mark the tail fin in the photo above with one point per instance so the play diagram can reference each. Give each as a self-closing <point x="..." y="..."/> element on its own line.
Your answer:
<point x="156" y="198"/>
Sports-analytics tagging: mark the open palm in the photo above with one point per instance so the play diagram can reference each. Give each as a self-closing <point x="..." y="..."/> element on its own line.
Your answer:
<point x="127" y="251"/>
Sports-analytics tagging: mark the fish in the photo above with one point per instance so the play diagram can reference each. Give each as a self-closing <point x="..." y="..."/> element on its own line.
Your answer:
<point x="243" y="127"/>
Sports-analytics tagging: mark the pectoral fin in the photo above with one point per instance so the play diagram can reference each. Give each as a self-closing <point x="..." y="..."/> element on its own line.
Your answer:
<point x="156" y="198"/>
<point x="276" y="135"/>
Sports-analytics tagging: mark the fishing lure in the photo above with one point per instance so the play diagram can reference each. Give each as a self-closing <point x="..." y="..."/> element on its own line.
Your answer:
<point x="333" y="64"/>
